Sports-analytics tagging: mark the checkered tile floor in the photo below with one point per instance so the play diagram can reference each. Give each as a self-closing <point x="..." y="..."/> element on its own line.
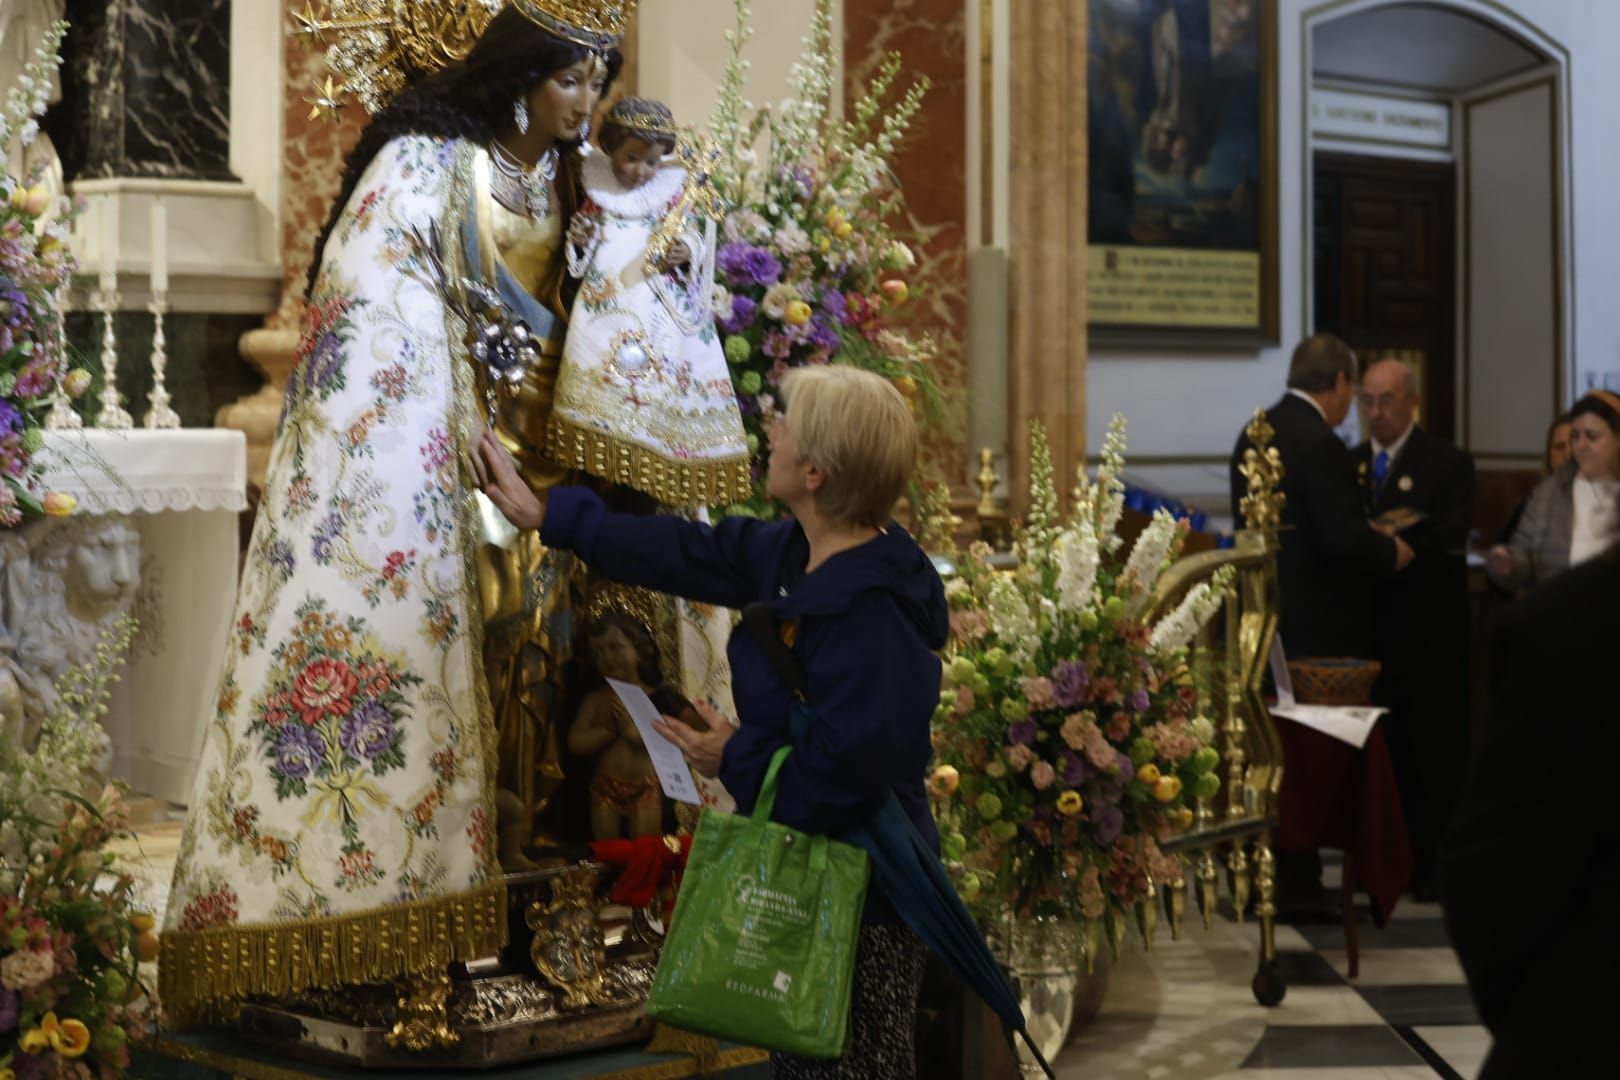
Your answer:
<point x="1184" y="1009"/>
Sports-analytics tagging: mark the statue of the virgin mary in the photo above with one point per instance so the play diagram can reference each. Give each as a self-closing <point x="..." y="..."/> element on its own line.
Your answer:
<point x="343" y="824"/>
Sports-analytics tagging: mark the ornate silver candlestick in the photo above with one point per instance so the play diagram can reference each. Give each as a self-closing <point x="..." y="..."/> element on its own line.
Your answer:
<point x="159" y="415"/>
<point x="62" y="416"/>
<point x="112" y="414"/>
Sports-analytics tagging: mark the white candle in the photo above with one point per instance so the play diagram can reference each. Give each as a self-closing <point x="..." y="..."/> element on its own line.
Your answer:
<point x="160" y="247"/>
<point x="109" y="240"/>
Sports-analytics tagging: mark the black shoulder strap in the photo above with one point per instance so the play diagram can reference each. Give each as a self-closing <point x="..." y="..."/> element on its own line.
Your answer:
<point x="766" y="626"/>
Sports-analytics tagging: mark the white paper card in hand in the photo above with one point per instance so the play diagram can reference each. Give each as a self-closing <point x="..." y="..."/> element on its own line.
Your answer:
<point x="668" y="761"/>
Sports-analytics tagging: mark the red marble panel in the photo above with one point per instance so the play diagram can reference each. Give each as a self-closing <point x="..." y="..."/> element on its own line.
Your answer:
<point x="312" y="167"/>
<point x="932" y="167"/>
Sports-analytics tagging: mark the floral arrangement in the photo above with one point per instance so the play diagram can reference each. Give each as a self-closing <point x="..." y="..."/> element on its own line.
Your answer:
<point x="1069" y="736"/>
<point x="809" y="268"/>
<point x="71" y="939"/>
<point x="35" y="267"/>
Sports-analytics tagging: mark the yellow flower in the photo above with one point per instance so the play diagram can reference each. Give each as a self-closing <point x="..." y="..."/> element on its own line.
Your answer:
<point x="823" y="243"/>
<point x="895" y="291"/>
<point x="797" y="313"/>
<point x="1069" y="803"/>
<point x="70" y="1038"/>
<point x="34" y="1040"/>
<point x="59" y="504"/>
<point x="1167" y="788"/>
<point x="19" y="197"/>
<point x="7" y="1074"/>
<point x="843" y="229"/>
<point x="1148" y="774"/>
<point x="942" y="784"/>
<point x="338" y="638"/>
<point x="837" y="217"/>
<point x="906" y="385"/>
<point x="76" y="383"/>
<point x="38" y="200"/>
<point x="142" y="920"/>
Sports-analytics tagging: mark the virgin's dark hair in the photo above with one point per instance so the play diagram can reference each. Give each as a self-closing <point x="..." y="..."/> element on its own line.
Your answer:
<point x="471" y="99"/>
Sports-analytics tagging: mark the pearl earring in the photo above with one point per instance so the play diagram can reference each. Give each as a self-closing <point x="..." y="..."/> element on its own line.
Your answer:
<point x="520" y="115"/>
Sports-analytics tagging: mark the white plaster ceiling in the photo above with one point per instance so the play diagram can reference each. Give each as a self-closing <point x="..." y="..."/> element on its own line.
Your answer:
<point x="1416" y="46"/>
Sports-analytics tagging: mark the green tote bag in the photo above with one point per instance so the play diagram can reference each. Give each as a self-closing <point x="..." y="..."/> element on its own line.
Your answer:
<point x="761" y="948"/>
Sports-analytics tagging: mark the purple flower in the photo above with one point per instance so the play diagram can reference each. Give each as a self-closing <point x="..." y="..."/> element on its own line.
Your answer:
<point x="11" y="420"/>
<point x="834" y="305"/>
<point x="280" y="555"/>
<point x="368" y="731"/>
<point x="822" y="335"/>
<point x="1139" y="701"/>
<point x="1070" y="678"/>
<point x="745" y="264"/>
<point x="777" y="345"/>
<point x="1074" y="769"/>
<point x="298" y="751"/>
<point x="1107" y="822"/>
<point x="325" y="533"/>
<point x="320" y="367"/>
<point x="9" y="1008"/>
<point x="1124" y="766"/>
<point x="742" y="315"/>
<point x="1022" y="733"/>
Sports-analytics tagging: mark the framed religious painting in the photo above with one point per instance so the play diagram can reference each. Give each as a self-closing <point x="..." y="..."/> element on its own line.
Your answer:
<point x="1182" y="172"/>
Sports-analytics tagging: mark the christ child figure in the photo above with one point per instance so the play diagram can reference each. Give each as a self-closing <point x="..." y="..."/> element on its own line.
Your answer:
<point x="625" y="797"/>
<point x="644" y="397"/>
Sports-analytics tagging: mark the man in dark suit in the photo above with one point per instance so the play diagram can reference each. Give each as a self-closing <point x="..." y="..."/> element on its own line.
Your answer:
<point x="1425" y="487"/>
<point x="1329" y="553"/>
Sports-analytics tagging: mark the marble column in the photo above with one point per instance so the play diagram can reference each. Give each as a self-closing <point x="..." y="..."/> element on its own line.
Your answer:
<point x="146" y="91"/>
<point x="932" y="169"/>
<point x="1046" y="377"/>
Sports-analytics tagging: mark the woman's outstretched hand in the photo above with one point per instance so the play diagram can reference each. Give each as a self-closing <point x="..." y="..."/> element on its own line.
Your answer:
<point x="498" y="477"/>
<point x="703" y="749"/>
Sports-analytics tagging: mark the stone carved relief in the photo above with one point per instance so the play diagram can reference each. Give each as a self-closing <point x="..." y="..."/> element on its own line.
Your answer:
<point x="62" y="586"/>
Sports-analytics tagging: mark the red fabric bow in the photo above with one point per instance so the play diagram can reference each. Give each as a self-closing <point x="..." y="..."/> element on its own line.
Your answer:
<point x="647" y="863"/>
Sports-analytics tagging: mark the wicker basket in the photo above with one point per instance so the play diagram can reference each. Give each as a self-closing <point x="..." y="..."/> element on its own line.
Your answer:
<point x="1333" y="680"/>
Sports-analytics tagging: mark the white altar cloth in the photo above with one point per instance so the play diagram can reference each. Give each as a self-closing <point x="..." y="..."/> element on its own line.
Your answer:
<point x="184" y="490"/>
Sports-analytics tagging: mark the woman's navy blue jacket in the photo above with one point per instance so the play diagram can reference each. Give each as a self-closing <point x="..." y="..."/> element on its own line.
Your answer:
<point x="869" y="621"/>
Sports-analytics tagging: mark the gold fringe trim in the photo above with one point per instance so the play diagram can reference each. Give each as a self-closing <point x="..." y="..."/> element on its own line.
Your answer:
<point x="718" y="482"/>
<point x="204" y="974"/>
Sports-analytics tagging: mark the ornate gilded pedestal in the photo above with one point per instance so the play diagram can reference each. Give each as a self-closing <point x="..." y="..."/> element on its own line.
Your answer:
<point x="574" y="978"/>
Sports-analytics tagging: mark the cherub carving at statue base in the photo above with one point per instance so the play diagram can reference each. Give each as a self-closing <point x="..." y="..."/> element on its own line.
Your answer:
<point x="625" y="797"/>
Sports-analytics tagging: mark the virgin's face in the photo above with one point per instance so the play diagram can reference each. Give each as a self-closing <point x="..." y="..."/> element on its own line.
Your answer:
<point x="1594" y="446"/>
<point x="564" y="100"/>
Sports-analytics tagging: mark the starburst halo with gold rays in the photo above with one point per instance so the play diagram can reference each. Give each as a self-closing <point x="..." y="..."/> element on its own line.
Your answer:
<point x="375" y="48"/>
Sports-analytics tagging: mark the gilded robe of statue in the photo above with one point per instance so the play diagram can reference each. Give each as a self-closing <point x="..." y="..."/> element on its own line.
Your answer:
<point x="342" y="825"/>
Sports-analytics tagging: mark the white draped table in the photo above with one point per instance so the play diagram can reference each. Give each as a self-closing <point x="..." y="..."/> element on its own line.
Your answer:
<point x="184" y="490"/>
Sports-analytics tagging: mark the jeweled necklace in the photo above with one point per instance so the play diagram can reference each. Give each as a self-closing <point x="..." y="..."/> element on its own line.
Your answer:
<point x="523" y="190"/>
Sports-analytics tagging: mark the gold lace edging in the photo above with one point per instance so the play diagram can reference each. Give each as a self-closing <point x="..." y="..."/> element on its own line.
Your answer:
<point x="717" y="482"/>
<point x="204" y="974"/>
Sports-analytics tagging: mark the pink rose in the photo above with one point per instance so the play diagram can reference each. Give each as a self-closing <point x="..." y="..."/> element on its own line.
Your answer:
<point x="1074" y="730"/>
<point x="1038" y="692"/>
<point x="1019" y="757"/>
<point x="1042" y="774"/>
<point x="964" y="700"/>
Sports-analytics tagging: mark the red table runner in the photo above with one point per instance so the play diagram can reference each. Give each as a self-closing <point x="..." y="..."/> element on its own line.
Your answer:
<point x="1335" y="796"/>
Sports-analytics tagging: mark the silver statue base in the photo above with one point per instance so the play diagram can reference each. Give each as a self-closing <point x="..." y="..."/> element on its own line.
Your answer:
<point x="558" y="991"/>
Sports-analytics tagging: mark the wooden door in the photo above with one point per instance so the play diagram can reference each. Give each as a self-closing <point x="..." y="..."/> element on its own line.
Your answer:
<point x="1385" y="265"/>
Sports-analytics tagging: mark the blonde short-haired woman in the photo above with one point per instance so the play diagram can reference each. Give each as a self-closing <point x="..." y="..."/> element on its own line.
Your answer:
<point x="867" y="613"/>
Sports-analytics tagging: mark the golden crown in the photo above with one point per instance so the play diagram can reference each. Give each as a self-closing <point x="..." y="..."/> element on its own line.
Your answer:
<point x="375" y="48"/>
<point x="638" y="114"/>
